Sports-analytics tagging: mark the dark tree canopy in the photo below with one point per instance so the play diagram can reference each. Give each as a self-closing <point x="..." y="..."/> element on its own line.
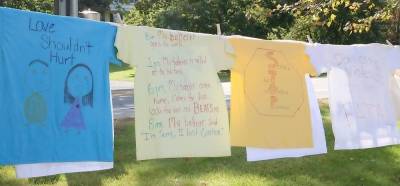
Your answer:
<point x="45" y="6"/>
<point x="327" y="21"/>
<point x="98" y="5"/>
<point x="247" y="17"/>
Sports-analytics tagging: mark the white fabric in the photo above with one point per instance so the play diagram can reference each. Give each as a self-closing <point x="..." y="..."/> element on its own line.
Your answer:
<point x="395" y="90"/>
<point x="47" y="169"/>
<point x="360" y="92"/>
<point x="257" y="154"/>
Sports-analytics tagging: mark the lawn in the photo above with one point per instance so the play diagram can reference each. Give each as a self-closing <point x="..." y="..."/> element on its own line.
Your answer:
<point x="123" y="72"/>
<point x="379" y="166"/>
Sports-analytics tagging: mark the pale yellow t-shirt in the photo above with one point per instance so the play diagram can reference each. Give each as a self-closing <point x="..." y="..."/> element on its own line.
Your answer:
<point x="179" y="102"/>
<point x="269" y="103"/>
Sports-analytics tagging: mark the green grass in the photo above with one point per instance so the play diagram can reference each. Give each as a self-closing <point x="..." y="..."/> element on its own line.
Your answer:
<point x="123" y="72"/>
<point x="379" y="166"/>
<point x="224" y="76"/>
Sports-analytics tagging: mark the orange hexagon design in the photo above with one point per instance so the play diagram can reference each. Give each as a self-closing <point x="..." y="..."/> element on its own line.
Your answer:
<point x="271" y="85"/>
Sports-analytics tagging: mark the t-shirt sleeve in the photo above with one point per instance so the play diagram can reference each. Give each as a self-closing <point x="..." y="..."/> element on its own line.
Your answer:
<point x="308" y="67"/>
<point x="223" y="51"/>
<point x="295" y="52"/>
<point x="229" y="52"/>
<point x="111" y="48"/>
<point x="394" y="58"/>
<point x="317" y="57"/>
<point x="123" y="44"/>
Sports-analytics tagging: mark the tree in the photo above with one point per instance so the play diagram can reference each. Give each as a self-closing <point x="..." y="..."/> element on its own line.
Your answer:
<point x="45" y="6"/>
<point x="327" y="21"/>
<point x="342" y="21"/>
<point x="393" y="26"/>
<point x="245" y="17"/>
<point x="97" y="5"/>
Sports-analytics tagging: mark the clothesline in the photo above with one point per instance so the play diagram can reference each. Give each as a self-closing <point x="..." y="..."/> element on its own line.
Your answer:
<point x="57" y="113"/>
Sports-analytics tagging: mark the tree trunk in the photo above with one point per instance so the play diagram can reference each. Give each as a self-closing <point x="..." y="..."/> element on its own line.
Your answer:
<point x="56" y="9"/>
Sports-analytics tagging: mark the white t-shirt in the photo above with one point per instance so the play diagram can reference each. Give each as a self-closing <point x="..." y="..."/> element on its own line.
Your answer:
<point x="361" y="103"/>
<point x="47" y="169"/>
<point x="257" y="154"/>
<point x="395" y="91"/>
<point x="180" y="106"/>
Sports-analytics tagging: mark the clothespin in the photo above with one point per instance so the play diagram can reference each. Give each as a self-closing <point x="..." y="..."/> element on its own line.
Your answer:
<point x="309" y="39"/>
<point x="117" y="20"/>
<point x="389" y="43"/>
<point x="219" y="29"/>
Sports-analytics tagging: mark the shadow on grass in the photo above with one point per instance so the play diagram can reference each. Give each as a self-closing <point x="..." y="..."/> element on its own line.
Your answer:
<point x="123" y="72"/>
<point x="45" y="180"/>
<point x="5" y="180"/>
<point x="124" y="155"/>
<point x="118" y="68"/>
<point x="376" y="166"/>
<point x="11" y="182"/>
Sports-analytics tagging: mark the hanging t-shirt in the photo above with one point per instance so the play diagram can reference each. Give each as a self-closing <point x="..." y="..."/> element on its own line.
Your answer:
<point x="361" y="105"/>
<point x="56" y="95"/>
<point x="257" y="154"/>
<point x="395" y="93"/>
<point x="48" y="169"/>
<point x="269" y="103"/>
<point x="180" y="110"/>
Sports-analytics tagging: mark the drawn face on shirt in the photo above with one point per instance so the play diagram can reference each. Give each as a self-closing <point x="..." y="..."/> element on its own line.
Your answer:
<point x="80" y="82"/>
<point x="38" y="76"/>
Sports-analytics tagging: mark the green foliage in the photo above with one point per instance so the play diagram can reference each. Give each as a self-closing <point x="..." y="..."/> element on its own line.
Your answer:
<point x="302" y="27"/>
<point x="342" y="21"/>
<point x="393" y="25"/>
<point x="245" y="17"/>
<point x="45" y="6"/>
<point x="334" y="21"/>
<point x="97" y="5"/>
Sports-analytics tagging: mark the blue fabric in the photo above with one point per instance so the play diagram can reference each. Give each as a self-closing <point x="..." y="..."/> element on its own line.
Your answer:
<point x="54" y="88"/>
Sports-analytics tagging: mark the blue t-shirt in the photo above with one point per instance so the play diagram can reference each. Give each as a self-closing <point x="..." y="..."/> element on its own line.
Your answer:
<point x="54" y="88"/>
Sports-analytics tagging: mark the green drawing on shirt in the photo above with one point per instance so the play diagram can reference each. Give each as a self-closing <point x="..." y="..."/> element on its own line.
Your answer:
<point x="38" y="81"/>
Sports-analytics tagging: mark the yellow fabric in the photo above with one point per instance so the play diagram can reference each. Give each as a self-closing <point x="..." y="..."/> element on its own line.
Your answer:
<point x="269" y="103"/>
<point x="179" y="102"/>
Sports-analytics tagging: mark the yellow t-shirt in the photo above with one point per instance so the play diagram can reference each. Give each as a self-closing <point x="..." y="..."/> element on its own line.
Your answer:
<point x="269" y="103"/>
<point x="179" y="102"/>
